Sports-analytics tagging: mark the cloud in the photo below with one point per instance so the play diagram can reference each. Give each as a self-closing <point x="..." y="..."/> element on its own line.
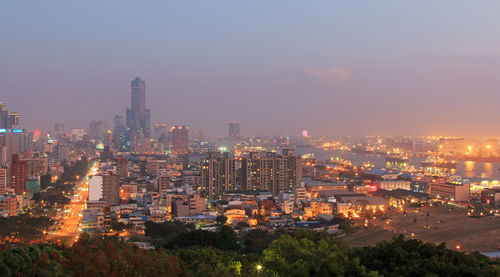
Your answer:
<point x="330" y="76"/>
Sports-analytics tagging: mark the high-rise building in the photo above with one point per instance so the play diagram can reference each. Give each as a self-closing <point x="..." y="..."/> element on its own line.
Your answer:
<point x="18" y="174"/>
<point x="14" y="141"/>
<point x="59" y="131"/>
<point x="95" y="188"/>
<point x="98" y="131"/>
<point x="77" y="134"/>
<point x="198" y="135"/>
<point x="111" y="189"/>
<point x="4" y="116"/>
<point x="218" y="174"/>
<point x="271" y="172"/>
<point x="138" y="117"/>
<point x="159" y="129"/>
<point x="180" y="139"/>
<point x="234" y="129"/>
<point x="122" y="167"/>
<point x="120" y="139"/>
<point x="14" y="121"/>
<point x="3" y="180"/>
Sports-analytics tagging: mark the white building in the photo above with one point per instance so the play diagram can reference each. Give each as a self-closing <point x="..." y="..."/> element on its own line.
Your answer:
<point x="95" y="188"/>
<point x="395" y="184"/>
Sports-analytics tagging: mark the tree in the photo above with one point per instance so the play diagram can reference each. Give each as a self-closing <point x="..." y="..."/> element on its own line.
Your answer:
<point x="221" y="219"/>
<point x="308" y="254"/>
<point x="401" y="257"/>
<point x="118" y="226"/>
<point x="227" y="239"/>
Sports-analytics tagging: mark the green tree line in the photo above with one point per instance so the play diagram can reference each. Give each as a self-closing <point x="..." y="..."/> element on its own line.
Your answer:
<point x="184" y="251"/>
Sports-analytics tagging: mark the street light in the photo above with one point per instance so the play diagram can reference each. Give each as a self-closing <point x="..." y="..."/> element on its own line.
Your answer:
<point x="259" y="267"/>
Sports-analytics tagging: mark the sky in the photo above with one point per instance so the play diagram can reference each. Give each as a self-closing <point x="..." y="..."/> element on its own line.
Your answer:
<point x="278" y="67"/>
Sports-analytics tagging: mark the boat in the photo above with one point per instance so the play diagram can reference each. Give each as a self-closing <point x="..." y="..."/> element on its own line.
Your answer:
<point x="396" y="158"/>
<point x="431" y="161"/>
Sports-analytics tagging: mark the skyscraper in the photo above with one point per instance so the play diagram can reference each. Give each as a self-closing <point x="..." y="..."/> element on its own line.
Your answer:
<point x="4" y="116"/>
<point x="138" y="117"/>
<point x="14" y="121"/>
<point x="271" y="172"/>
<point x="218" y="174"/>
<point x="159" y="129"/>
<point x="180" y="140"/>
<point x="111" y="189"/>
<point x="234" y="129"/>
<point x="18" y="174"/>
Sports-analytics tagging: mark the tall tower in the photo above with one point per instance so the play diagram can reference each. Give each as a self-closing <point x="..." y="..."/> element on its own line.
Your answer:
<point x="234" y="129"/>
<point x="14" y="121"/>
<point x="180" y="139"/>
<point x="4" y="116"/>
<point x="138" y="94"/>
<point x="138" y="117"/>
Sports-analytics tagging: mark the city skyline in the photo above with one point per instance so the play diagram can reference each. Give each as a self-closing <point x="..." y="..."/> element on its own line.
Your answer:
<point x="399" y="69"/>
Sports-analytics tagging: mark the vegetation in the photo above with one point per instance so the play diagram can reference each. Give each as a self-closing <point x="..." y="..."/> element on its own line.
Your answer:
<point x="23" y="228"/>
<point x="189" y="252"/>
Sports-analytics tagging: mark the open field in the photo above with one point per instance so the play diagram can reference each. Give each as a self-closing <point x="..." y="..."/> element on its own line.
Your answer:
<point x="446" y="224"/>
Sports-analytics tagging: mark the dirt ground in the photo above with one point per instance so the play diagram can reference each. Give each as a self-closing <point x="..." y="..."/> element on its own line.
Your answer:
<point x="445" y="224"/>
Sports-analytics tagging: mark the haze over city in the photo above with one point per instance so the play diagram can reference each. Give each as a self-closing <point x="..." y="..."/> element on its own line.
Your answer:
<point x="333" y="68"/>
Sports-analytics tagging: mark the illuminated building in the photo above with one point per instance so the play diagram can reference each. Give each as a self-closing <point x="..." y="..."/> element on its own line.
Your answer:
<point x="159" y="129"/>
<point x="450" y="191"/>
<point x="218" y="174"/>
<point x="8" y="203"/>
<point x="138" y="117"/>
<point x="15" y="141"/>
<point x="18" y="174"/>
<point x="3" y="180"/>
<point x="180" y="142"/>
<point x="395" y="184"/>
<point x="111" y="189"/>
<point x="77" y="134"/>
<point x="4" y="116"/>
<point x="452" y="146"/>
<point x="234" y="129"/>
<point x="14" y="121"/>
<point x="122" y="167"/>
<point x="95" y="188"/>
<point x="98" y="132"/>
<point x="198" y="135"/>
<point x="271" y="172"/>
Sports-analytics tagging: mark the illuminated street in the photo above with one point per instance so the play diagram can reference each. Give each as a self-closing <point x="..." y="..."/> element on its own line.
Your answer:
<point x="68" y="228"/>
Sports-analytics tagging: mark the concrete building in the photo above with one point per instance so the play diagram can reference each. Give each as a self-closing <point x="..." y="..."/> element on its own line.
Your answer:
<point x="271" y="172"/>
<point x="18" y="174"/>
<point x="451" y="191"/>
<point x="218" y="174"/>
<point x="180" y="139"/>
<point x="395" y="184"/>
<point x="95" y="188"/>
<point x="234" y="129"/>
<point x="138" y="117"/>
<point x="3" y="180"/>
<point x="111" y="189"/>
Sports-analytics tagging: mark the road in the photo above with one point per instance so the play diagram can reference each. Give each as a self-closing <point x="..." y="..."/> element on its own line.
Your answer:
<point x="68" y="229"/>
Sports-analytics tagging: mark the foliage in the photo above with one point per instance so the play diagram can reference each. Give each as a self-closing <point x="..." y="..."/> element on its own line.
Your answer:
<point x="311" y="254"/>
<point x="39" y="260"/>
<point x="221" y="219"/>
<point x="401" y="257"/>
<point x="209" y="261"/>
<point x="203" y="253"/>
<point x="23" y="227"/>
<point x="224" y="239"/>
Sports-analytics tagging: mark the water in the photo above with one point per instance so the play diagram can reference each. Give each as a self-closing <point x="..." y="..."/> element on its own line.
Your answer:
<point x="468" y="169"/>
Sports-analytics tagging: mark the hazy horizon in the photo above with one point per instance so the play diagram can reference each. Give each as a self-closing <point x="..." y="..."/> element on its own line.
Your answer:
<point x="333" y="68"/>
